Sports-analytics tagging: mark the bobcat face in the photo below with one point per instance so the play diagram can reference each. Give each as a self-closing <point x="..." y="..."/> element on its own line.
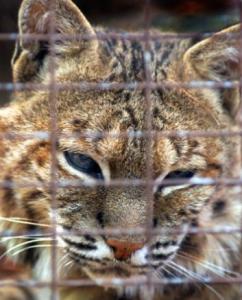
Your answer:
<point x="109" y="158"/>
<point x="99" y="141"/>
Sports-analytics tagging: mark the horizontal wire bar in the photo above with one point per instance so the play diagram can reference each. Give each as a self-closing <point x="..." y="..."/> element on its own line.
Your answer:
<point x="115" y="281"/>
<point x="215" y="230"/>
<point x="65" y="183"/>
<point x="95" y="134"/>
<point x="112" y="86"/>
<point x="136" y="36"/>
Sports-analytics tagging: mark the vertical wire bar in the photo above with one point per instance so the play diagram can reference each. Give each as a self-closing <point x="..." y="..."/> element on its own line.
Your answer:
<point x="149" y="138"/>
<point x="53" y="141"/>
<point x="239" y="117"/>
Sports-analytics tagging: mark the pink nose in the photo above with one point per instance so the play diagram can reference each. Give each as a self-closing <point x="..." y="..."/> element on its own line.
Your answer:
<point x="123" y="249"/>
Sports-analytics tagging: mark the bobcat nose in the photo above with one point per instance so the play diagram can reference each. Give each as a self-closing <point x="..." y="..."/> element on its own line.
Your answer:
<point x="123" y="249"/>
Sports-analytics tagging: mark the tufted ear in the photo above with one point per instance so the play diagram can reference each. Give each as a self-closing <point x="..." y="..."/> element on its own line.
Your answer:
<point x="217" y="58"/>
<point x="34" y="18"/>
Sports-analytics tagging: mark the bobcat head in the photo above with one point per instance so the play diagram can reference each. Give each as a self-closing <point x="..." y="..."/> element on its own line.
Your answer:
<point x="100" y="142"/>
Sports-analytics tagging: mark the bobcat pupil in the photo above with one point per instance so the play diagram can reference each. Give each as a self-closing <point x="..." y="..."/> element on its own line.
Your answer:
<point x="180" y="175"/>
<point x="84" y="163"/>
<point x="177" y="175"/>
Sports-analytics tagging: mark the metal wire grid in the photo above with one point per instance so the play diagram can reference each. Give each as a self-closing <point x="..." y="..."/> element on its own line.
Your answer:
<point x="147" y="85"/>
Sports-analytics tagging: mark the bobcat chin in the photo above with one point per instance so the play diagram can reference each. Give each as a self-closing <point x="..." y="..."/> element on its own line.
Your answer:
<point x="90" y="158"/>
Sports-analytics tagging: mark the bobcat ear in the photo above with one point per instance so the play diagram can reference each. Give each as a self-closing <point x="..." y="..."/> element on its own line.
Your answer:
<point x="217" y="59"/>
<point x="34" y="18"/>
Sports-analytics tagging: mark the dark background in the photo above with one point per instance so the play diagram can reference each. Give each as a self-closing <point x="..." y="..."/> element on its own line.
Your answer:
<point x="175" y="15"/>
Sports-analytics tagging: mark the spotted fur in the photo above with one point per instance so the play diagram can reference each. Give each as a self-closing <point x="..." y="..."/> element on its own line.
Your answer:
<point x="79" y="112"/>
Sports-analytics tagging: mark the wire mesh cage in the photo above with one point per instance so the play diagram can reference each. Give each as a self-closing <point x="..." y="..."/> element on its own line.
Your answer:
<point x="185" y="267"/>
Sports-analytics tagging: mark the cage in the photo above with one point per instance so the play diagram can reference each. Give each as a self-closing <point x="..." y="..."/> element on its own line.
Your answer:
<point x="147" y="23"/>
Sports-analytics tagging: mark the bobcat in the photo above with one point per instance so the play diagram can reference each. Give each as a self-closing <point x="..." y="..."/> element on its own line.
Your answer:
<point x="84" y="154"/>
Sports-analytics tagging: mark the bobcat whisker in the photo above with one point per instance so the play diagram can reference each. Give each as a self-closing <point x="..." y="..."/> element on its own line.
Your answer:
<point x="4" y="239"/>
<point x="163" y="268"/>
<point x="62" y="262"/>
<point x="185" y="273"/>
<point x="62" y="259"/>
<point x="68" y="265"/>
<point x="23" y="244"/>
<point x="205" y="266"/>
<point x="32" y="247"/>
<point x="191" y="274"/>
<point x="18" y="218"/>
<point x="208" y="265"/>
<point x="208" y="250"/>
<point x="20" y="221"/>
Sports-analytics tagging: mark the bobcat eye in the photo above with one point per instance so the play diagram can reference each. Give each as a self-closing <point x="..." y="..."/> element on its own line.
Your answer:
<point x="84" y="163"/>
<point x="179" y="174"/>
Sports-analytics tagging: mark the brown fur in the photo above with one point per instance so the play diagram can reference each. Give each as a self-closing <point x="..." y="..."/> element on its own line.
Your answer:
<point x="119" y="111"/>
